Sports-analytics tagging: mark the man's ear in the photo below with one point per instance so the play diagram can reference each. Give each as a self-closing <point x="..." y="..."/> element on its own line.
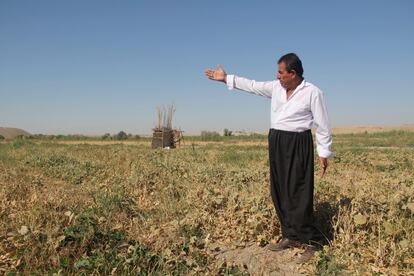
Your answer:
<point x="293" y="72"/>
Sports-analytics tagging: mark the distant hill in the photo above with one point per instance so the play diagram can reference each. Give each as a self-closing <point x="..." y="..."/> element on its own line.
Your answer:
<point x="371" y="129"/>
<point x="10" y="132"/>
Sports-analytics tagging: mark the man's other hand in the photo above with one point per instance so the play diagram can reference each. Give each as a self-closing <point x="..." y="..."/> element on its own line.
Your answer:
<point x="324" y="165"/>
<point x="218" y="75"/>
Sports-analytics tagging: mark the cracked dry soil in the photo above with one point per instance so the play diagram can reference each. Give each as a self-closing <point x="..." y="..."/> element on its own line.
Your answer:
<point x="258" y="260"/>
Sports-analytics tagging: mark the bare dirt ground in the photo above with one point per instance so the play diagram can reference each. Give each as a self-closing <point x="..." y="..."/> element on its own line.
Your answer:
<point x="257" y="260"/>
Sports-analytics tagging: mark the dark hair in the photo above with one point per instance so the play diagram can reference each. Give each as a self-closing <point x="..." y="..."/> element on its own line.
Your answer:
<point x="292" y="62"/>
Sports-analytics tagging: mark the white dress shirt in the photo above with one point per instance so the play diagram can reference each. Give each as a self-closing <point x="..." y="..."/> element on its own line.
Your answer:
<point x="304" y="109"/>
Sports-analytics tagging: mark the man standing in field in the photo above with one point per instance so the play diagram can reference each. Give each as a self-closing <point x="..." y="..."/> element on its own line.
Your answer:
<point x="296" y="106"/>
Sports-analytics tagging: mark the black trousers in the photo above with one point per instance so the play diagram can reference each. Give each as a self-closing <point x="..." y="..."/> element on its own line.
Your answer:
<point x="292" y="183"/>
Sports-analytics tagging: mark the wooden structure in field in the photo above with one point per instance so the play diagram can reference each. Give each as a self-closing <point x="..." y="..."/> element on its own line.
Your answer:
<point x="164" y="136"/>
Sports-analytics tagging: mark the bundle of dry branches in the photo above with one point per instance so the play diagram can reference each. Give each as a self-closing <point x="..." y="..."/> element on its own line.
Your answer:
<point x="164" y="117"/>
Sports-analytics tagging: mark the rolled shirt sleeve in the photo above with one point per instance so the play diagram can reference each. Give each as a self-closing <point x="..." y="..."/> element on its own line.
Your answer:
<point x="321" y="122"/>
<point x="230" y="82"/>
<point x="259" y="88"/>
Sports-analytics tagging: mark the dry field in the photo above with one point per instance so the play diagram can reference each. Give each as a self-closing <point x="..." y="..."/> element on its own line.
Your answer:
<point x="78" y="208"/>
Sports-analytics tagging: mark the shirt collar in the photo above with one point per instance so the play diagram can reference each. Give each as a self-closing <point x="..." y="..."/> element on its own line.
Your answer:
<point x="298" y="88"/>
<point x="304" y="83"/>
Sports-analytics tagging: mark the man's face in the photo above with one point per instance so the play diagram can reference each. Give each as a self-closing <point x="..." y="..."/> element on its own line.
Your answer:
<point x="286" y="78"/>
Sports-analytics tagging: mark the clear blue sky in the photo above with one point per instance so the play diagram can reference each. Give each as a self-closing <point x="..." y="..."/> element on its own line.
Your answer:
<point x="92" y="67"/>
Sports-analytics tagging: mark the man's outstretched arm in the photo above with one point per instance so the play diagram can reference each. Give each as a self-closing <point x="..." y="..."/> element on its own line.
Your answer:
<point x="258" y="88"/>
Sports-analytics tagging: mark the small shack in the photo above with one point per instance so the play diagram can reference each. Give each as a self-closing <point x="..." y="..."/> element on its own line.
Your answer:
<point x="164" y="136"/>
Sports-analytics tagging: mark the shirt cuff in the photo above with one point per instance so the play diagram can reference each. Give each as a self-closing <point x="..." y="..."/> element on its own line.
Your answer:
<point x="324" y="153"/>
<point x="230" y="82"/>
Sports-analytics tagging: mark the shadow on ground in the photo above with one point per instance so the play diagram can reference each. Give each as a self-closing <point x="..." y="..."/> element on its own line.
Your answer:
<point x="324" y="214"/>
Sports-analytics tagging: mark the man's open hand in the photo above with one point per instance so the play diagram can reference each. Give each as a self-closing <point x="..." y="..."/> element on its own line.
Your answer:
<point x="218" y="75"/>
<point x="324" y="165"/>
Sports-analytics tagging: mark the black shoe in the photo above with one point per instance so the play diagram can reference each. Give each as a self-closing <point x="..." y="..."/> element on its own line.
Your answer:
<point x="309" y="252"/>
<point x="283" y="244"/>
